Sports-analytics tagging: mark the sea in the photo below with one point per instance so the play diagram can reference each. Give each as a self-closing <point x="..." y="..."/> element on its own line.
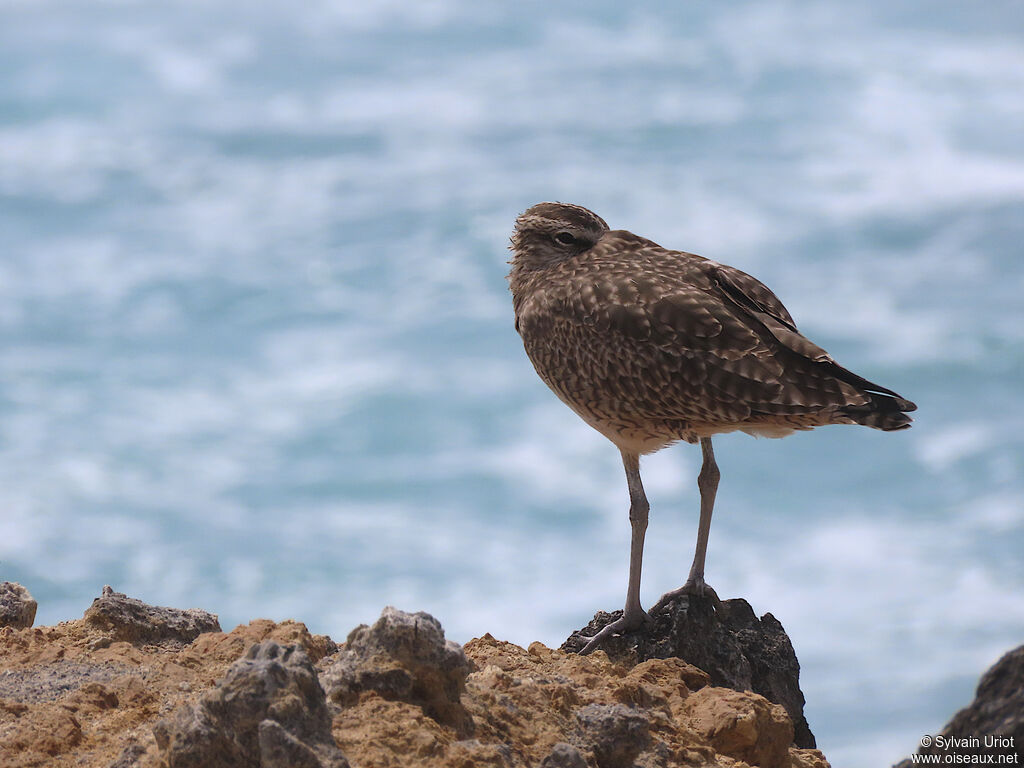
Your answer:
<point x="257" y="352"/>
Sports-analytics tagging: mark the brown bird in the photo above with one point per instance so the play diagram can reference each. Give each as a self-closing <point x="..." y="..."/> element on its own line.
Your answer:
<point x="651" y="346"/>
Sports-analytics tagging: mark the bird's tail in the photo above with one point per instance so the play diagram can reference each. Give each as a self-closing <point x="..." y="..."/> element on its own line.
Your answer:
<point x="885" y="409"/>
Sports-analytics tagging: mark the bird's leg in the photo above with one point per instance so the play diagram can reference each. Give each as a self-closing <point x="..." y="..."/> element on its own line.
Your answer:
<point x="634" y="616"/>
<point x="707" y="482"/>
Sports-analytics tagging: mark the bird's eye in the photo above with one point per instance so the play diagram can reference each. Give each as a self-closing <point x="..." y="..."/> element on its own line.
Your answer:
<point x="565" y="238"/>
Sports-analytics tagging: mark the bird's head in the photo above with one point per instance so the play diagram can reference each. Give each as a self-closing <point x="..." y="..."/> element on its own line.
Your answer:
<point x="549" y="233"/>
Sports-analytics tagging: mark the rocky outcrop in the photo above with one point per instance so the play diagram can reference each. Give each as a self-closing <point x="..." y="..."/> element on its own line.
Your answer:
<point x="615" y="734"/>
<point x="17" y="608"/>
<point x="747" y="728"/>
<point x="731" y="644"/>
<point x="403" y="657"/>
<point x="992" y="724"/>
<point x="269" y="710"/>
<point x="396" y="693"/>
<point x="125" y="618"/>
<point x="71" y="694"/>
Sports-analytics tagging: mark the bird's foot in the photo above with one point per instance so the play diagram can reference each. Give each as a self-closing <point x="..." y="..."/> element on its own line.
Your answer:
<point x="693" y="586"/>
<point x="630" y="621"/>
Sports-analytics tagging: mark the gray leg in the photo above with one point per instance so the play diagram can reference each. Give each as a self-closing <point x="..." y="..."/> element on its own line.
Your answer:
<point x="707" y="482"/>
<point x="634" y="616"/>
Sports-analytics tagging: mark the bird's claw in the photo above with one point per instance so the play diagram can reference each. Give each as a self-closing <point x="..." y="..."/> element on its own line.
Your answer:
<point x="628" y="622"/>
<point x="693" y="586"/>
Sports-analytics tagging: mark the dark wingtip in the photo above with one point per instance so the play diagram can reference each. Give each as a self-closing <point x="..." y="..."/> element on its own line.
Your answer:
<point x="883" y="412"/>
<point x="895" y="423"/>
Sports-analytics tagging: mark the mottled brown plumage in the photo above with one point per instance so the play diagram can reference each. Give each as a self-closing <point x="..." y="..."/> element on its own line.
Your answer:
<point x="651" y="346"/>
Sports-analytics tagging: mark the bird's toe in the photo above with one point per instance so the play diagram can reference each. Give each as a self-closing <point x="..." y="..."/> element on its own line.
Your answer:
<point x="631" y="621"/>
<point x="696" y="587"/>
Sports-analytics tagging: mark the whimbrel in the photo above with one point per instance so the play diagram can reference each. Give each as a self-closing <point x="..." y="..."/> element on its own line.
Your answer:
<point x="651" y="346"/>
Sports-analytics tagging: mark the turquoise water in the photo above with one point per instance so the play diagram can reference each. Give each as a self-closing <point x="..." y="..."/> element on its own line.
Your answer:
<point x="256" y="346"/>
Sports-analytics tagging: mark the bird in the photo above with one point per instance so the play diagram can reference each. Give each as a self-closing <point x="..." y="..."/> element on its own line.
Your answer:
<point x="652" y="346"/>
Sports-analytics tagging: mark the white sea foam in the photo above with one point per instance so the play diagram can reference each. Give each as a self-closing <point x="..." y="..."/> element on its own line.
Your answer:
<point x="954" y="443"/>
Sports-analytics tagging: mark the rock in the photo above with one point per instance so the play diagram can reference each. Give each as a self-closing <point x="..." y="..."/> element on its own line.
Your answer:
<point x="129" y="757"/>
<point x="131" y="620"/>
<point x="403" y="657"/>
<point x="232" y="645"/>
<point x="992" y="724"/>
<point x="562" y="710"/>
<point x="46" y="682"/>
<point x="279" y="749"/>
<point x="31" y="735"/>
<point x="564" y="756"/>
<point x="807" y="758"/>
<point x="17" y="608"/>
<point x="744" y="727"/>
<point x="614" y="733"/>
<point x="269" y="711"/>
<point x="471" y="753"/>
<point x="732" y="645"/>
<point x="66" y="699"/>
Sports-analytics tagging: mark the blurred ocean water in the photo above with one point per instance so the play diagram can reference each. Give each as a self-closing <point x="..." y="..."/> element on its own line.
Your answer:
<point x="256" y="345"/>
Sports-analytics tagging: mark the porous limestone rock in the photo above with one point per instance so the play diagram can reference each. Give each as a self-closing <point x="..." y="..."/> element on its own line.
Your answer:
<point x="558" y="709"/>
<point x="17" y="608"/>
<point x="72" y="694"/>
<point x="403" y="657"/>
<point x="731" y="644"/>
<point x="741" y="726"/>
<point x="614" y="734"/>
<point x="269" y="711"/>
<point x="131" y="620"/>
<point x="563" y="755"/>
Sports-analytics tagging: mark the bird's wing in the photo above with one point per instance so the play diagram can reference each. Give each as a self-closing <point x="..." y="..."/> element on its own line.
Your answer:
<point x="754" y="297"/>
<point x="748" y="291"/>
<point x="764" y="306"/>
<point x="696" y="340"/>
